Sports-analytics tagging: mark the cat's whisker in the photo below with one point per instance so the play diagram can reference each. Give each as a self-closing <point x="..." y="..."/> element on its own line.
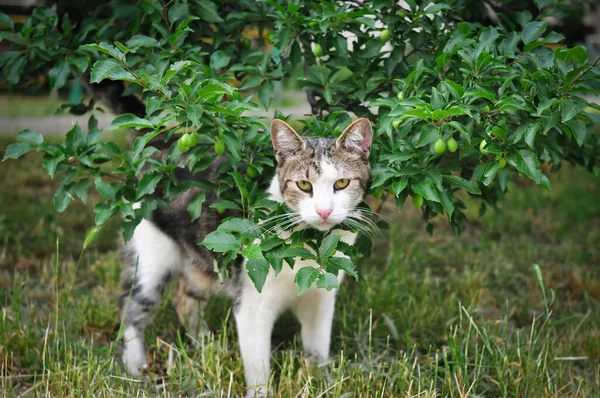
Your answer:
<point x="360" y="228"/>
<point x="366" y="224"/>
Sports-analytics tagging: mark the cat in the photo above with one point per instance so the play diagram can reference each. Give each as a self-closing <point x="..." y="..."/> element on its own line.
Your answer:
<point x="321" y="181"/>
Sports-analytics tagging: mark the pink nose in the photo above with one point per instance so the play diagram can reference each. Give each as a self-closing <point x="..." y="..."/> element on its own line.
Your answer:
<point x="324" y="213"/>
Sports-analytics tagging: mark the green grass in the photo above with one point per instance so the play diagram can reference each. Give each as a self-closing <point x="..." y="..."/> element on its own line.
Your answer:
<point x="28" y="106"/>
<point x="430" y="316"/>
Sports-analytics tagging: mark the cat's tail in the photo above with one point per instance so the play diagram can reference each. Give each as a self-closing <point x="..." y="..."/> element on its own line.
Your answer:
<point x="112" y="95"/>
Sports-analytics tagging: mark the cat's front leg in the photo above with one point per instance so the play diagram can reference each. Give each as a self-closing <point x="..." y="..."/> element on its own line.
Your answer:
<point x="314" y="310"/>
<point x="255" y="319"/>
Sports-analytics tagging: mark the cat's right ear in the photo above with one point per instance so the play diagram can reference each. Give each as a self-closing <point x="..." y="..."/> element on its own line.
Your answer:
<point x="285" y="140"/>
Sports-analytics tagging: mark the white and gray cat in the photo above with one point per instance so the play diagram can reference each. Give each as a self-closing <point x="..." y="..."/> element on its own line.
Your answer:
<point x="321" y="181"/>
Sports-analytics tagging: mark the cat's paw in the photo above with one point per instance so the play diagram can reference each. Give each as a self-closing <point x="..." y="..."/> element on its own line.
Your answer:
<point x="134" y="358"/>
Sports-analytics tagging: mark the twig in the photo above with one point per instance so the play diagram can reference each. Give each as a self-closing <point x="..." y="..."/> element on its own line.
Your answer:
<point x="583" y="73"/>
<point x="165" y="16"/>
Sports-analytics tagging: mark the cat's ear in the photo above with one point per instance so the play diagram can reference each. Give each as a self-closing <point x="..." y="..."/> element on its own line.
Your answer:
<point x="357" y="137"/>
<point x="285" y="140"/>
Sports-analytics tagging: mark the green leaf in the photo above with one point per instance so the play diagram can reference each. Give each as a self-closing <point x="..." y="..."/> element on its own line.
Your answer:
<point x="224" y="204"/>
<point x="328" y="246"/>
<point x="340" y="75"/>
<point x="532" y="31"/>
<point x="570" y="109"/>
<point x="30" y="137"/>
<point x="195" y="206"/>
<point x="208" y="11"/>
<point x="7" y="21"/>
<point x="59" y="74"/>
<point x="129" y="120"/>
<point x="15" y="68"/>
<point x="106" y="49"/>
<point x="177" y="11"/>
<point x="265" y="93"/>
<point x="481" y="92"/>
<point x="79" y="63"/>
<point x="467" y="185"/>
<point x="258" y="269"/>
<point x="579" y="54"/>
<point x="427" y="135"/>
<point x="51" y="162"/>
<point x="220" y="241"/>
<point x="62" y="198"/>
<point x="462" y="129"/>
<point x="447" y="201"/>
<point x="219" y="59"/>
<point x="305" y="277"/>
<point x="15" y="151"/>
<point x="508" y="46"/>
<point x="107" y="190"/>
<point x="253" y="250"/>
<point x="342" y="263"/>
<point x="147" y="184"/>
<point x="301" y="252"/>
<point x="578" y="130"/>
<point x="424" y="186"/>
<point x="81" y="189"/>
<point x="526" y="162"/>
<point x="141" y="41"/>
<point x="243" y="226"/>
<point x="327" y="281"/>
<point x="110" y="69"/>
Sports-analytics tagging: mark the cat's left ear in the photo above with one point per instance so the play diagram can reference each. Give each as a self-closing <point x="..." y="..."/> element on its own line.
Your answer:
<point x="357" y="137"/>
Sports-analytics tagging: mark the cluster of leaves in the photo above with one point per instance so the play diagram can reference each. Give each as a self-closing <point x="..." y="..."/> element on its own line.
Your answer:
<point x="507" y="95"/>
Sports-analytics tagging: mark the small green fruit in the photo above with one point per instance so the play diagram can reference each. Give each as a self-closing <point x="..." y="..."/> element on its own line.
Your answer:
<point x="485" y="108"/>
<point x="251" y="172"/>
<point x="247" y="43"/>
<point x="184" y="143"/>
<point x="402" y="13"/>
<point x="378" y="193"/>
<point x="384" y="35"/>
<point x="482" y="146"/>
<point x="501" y="163"/>
<point x="313" y="24"/>
<point x="219" y="147"/>
<point x="401" y="95"/>
<point x="221" y="210"/>
<point x="440" y="146"/>
<point x="417" y="200"/>
<point x="452" y="145"/>
<point x="270" y="37"/>
<point x="194" y="139"/>
<point x="318" y="50"/>
<point x="395" y="124"/>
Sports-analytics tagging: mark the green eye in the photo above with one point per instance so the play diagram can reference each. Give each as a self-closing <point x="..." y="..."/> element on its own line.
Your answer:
<point x="304" y="185"/>
<point x="341" y="183"/>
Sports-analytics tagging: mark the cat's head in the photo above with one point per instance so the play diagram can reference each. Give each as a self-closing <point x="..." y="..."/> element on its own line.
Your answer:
<point x="322" y="179"/>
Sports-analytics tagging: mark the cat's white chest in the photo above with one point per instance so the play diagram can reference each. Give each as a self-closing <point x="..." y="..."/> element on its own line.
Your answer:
<point x="280" y="291"/>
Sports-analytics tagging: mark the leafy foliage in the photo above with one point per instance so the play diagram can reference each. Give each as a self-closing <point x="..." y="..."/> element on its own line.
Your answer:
<point x="510" y="95"/>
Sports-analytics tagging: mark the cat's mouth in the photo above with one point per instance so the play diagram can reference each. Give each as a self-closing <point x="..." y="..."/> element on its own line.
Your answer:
<point x="323" y="225"/>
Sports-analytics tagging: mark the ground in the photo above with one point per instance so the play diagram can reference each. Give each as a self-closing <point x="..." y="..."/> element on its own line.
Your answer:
<point x="509" y="308"/>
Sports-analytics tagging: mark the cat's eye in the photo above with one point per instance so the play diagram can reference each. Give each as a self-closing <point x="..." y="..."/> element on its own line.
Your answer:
<point x="341" y="183"/>
<point x="304" y="185"/>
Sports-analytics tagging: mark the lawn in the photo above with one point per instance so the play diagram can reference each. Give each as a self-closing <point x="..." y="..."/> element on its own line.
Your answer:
<point x="509" y="308"/>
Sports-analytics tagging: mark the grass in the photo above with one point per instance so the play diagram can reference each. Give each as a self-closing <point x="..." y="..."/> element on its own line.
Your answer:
<point x="28" y="106"/>
<point x="510" y="308"/>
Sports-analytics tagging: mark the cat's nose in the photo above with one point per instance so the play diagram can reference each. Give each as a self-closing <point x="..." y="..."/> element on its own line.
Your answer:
<point x="324" y="213"/>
